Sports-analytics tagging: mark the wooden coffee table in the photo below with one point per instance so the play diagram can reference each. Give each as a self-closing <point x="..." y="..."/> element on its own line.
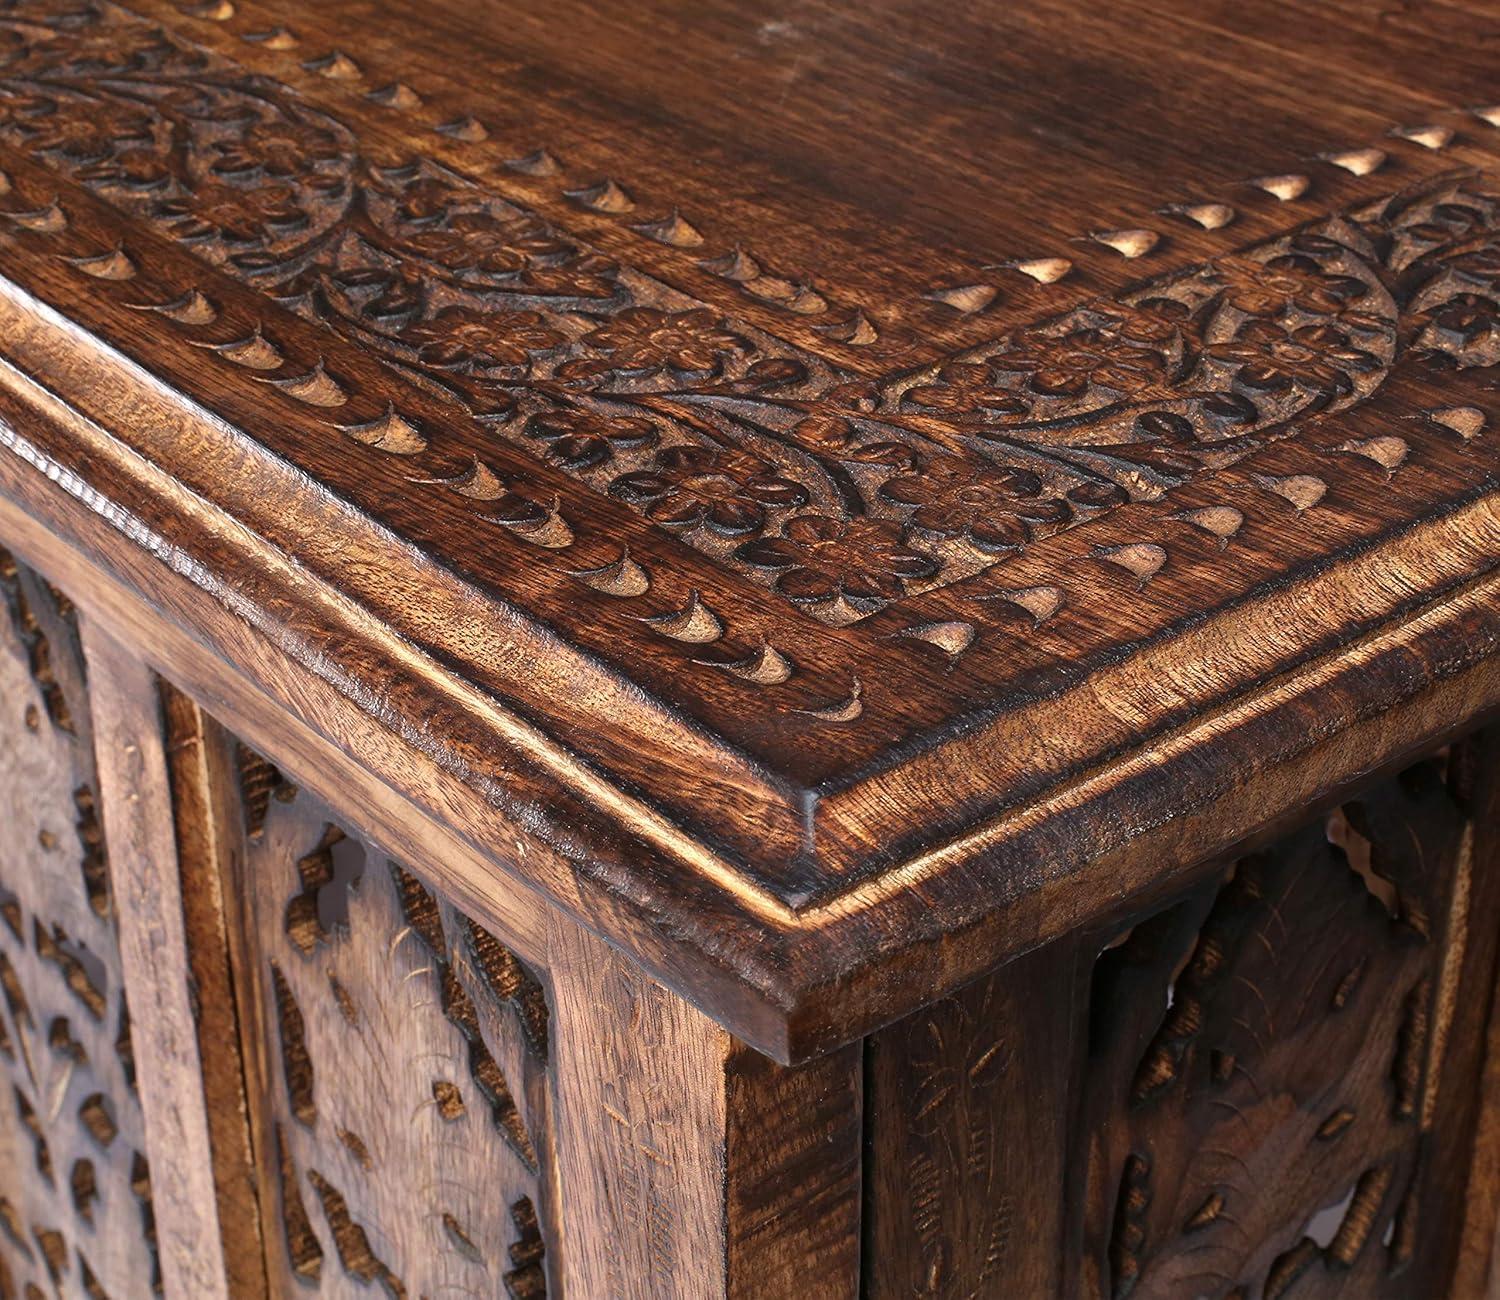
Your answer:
<point x="793" y="650"/>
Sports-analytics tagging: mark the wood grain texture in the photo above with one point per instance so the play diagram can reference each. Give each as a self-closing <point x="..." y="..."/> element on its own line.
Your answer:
<point x="137" y="816"/>
<point x="207" y="838"/>
<point x="689" y="1164"/>
<point x="793" y="1217"/>
<point x="642" y="1119"/>
<point x="791" y="557"/>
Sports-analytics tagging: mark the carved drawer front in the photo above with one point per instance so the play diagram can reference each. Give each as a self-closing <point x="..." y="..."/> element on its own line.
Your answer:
<point x="75" y="1182"/>
<point x="401" y="1054"/>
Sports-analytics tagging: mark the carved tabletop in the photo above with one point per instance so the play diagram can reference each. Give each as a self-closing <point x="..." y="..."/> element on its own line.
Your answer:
<point x="852" y="493"/>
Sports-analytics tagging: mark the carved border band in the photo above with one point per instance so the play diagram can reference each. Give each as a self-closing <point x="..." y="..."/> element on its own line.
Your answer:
<point x="847" y="497"/>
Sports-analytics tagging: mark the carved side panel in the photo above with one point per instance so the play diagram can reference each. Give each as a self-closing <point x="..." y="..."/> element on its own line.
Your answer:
<point x="966" y="1136"/>
<point x="75" y="1189"/>
<point x="403" y="1052"/>
<point x="1267" y="1109"/>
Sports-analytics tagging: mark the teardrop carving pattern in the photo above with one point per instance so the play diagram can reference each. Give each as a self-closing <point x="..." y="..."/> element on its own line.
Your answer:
<point x="842" y="495"/>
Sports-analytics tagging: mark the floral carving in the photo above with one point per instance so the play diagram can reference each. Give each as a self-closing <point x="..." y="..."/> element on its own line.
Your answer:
<point x="1291" y="282"/>
<point x="692" y="485"/>
<point x="1258" y="1054"/>
<point x="459" y="337"/>
<point x="80" y="138"/>
<point x="1274" y="357"/>
<point x="139" y="169"/>
<point x="996" y="509"/>
<point x="277" y="148"/>
<point x="643" y="338"/>
<point x="421" y="199"/>
<point x="1479" y="266"/>
<point x="962" y="386"/>
<point x="1468" y="318"/>
<point x="477" y="241"/>
<point x="583" y="438"/>
<point x="90" y="46"/>
<point x="819" y="559"/>
<point x="236" y="213"/>
<point x="1067" y="365"/>
<point x="839" y="438"/>
<point x="841" y="492"/>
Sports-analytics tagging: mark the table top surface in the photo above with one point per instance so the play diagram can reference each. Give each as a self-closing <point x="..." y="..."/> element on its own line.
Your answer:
<point x="822" y="434"/>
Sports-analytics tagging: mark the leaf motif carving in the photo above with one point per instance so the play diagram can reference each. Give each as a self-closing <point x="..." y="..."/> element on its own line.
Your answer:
<point x="766" y="457"/>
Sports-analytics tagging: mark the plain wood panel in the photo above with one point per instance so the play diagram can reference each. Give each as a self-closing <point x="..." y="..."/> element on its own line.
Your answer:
<point x="136" y="807"/>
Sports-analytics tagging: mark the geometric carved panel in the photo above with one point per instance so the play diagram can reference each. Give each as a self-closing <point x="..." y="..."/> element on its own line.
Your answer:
<point x="75" y="1192"/>
<point x="1265" y="1059"/>
<point x="403" y="1051"/>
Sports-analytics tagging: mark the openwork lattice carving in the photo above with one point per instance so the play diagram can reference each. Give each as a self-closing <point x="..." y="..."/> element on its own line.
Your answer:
<point x="1265" y="1058"/>
<point x="407" y="1045"/>
<point x="75" y="1191"/>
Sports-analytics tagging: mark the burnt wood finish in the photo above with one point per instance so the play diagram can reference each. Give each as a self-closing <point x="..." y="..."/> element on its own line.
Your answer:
<point x="719" y="650"/>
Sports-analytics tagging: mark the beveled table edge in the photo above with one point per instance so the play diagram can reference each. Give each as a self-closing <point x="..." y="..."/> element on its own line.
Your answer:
<point x="791" y="980"/>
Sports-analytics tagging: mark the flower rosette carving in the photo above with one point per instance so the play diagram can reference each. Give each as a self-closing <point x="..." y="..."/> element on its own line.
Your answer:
<point x="964" y="387"/>
<point x="247" y="175"/>
<point x="645" y="340"/>
<point x="820" y="560"/>
<point x="86" y="133"/>
<point x="1078" y="360"/>
<point x="994" y="509"/>
<point x="728" y="491"/>
<point x="235" y="214"/>
<point x="277" y="148"/>
<point x="1448" y="257"/>
<point x="581" y="439"/>
<point x="489" y="250"/>
<point x="459" y="338"/>
<point x="1289" y="284"/>
<point x="1271" y="359"/>
<point x="724" y="436"/>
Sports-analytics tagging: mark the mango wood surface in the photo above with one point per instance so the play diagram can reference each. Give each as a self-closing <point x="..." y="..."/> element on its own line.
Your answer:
<point x="828" y="498"/>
